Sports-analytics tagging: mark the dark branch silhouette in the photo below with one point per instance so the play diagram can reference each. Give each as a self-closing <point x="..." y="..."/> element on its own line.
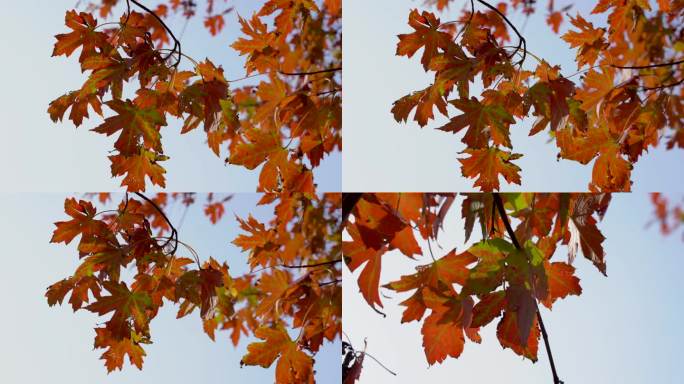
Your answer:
<point x="310" y="73"/>
<point x="176" y="42"/>
<point x="522" y="43"/>
<point x="329" y="262"/>
<point x="657" y="65"/>
<point x="174" y="232"/>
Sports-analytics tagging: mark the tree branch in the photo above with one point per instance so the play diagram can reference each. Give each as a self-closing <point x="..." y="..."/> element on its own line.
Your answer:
<point x="522" y="43"/>
<point x="658" y="65"/>
<point x="174" y="232"/>
<point x="504" y="217"/>
<point x="176" y="42"/>
<point x="329" y="262"/>
<point x="310" y="73"/>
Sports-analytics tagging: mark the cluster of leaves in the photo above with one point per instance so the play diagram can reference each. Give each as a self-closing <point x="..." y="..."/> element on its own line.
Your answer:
<point x="628" y="98"/>
<point x="286" y="123"/>
<point x="668" y="215"/>
<point x="131" y="267"/>
<point x="503" y="276"/>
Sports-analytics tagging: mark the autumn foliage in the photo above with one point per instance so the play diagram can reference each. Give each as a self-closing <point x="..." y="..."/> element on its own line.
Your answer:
<point x="139" y="79"/>
<point x="134" y="261"/>
<point x="625" y="99"/>
<point x="517" y="264"/>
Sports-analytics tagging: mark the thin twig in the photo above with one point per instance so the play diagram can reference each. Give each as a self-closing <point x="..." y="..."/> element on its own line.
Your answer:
<point x="310" y="73"/>
<point x="470" y="20"/>
<point x="176" y="42"/>
<point x="174" y="232"/>
<point x="658" y="65"/>
<point x="378" y="361"/>
<point x="522" y="43"/>
<point x="329" y="262"/>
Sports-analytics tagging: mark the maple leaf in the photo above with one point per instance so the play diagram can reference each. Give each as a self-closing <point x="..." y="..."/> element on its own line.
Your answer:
<point x="440" y="339"/>
<point x="135" y="124"/>
<point x="258" y="46"/>
<point x="582" y="231"/>
<point x="369" y="278"/>
<point x="483" y="122"/>
<point x="274" y="286"/>
<point x="611" y="172"/>
<point x="447" y="270"/>
<point x="82" y="223"/>
<point x="137" y="168"/>
<point x="597" y="85"/>
<point x="117" y="349"/>
<point x="550" y="101"/>
<point x="294" y="366"/>
<point x="78" y="104"/>
<point x="585" y="146"/>
<point x="255" y="148"/>
<point x="441" y="274"/>
<point x="125" y="304"/>
<point x="83" y="35"/>
<point x="487" y="165"/>
<point x="509" y="336"/>
<point x="258" y="234"/>
<point x="589" y="40"/>
<point x="427" y="36"/>
<point x="562" y="282"/>
<point x="424" y="102"/>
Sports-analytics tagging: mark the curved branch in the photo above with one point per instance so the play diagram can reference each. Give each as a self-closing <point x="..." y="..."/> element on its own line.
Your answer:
<point x="522" y="43"/>
<point x="174" y="232"/>
<point x="176" y="42"/>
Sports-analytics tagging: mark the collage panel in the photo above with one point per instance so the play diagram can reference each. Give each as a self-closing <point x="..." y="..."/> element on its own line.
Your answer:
<point x="209" y="95"/>
<point x="512" y="287"/>
<point x="516" y="160"/>
<point x="171" y="287"/>
<point x="458" y="95"/>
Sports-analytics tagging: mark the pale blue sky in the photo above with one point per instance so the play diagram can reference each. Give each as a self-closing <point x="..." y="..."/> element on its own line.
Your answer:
<point x="383" y="155"/>
<point x="39" y="155"/>
<point x="42" y="344"/>
<point x="624" y="328"/>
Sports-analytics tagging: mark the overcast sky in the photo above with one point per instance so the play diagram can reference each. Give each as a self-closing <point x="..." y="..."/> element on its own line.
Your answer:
<point x="39" y="155"/>
<point x="624" y="328"/>
<point x="54" y="345"/>
<point x="383" y="155"/>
